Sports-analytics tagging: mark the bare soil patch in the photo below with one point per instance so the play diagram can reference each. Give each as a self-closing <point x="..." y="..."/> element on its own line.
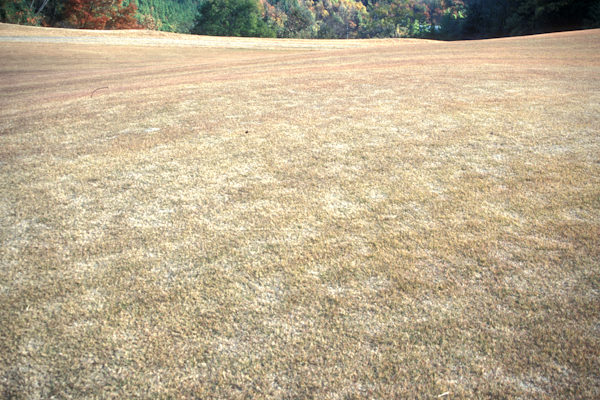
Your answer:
<point x="391" y="219"/>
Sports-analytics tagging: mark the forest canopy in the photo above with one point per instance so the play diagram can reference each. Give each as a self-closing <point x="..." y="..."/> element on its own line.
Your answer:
<point x="438" y="19"/>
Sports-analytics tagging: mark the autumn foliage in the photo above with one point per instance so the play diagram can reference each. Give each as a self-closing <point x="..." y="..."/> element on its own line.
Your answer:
<point x="101" y="14"/>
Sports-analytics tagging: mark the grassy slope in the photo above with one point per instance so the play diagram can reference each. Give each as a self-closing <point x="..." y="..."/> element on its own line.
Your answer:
<point x="407" y="219"/>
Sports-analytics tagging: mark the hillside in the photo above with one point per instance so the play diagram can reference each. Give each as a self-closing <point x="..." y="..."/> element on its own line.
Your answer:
<point x="196" y="217"/>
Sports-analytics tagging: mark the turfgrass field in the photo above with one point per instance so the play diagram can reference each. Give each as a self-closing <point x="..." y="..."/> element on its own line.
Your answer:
<point x="192" y="217"/>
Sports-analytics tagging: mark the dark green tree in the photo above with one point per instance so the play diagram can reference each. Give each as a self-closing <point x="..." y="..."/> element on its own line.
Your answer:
<point x="231" y="18"/>
<point x="299" y="22"/>
<point x="492" y="18"/>
<point x="593" y="18"/>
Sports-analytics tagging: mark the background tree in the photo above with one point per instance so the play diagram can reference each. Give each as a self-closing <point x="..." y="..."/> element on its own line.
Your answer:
<point x="343" y="19"/>
<point x="29" y="12"/>
<point x="494" y="18"/>
<point x="593" y="17"/>
<point x="440" y="19"/>
<point x="231" y="18"/>
<point x="100" y="14"/>
<point x="123" y="17"/>
<point x="88" y="14"/>
<point x="168" y="15"/>
<point x="299" y="22"/>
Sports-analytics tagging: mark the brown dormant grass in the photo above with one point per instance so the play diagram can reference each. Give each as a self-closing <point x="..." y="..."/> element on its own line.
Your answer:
<point x="395" y="219"/>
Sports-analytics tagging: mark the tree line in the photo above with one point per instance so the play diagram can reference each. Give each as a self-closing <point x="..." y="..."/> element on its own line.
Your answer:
<point x="441" y="19"/>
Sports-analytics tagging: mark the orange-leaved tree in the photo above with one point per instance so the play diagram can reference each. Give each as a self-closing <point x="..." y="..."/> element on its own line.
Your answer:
<point x="101" y="14"/>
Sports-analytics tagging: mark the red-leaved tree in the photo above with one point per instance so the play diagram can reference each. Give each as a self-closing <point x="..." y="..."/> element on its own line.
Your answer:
<point x="101" y="14"/>
<point x="124" y="17"/>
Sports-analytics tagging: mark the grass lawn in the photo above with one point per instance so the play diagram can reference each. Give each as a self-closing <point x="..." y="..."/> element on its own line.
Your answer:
<point x="191" y="217"/>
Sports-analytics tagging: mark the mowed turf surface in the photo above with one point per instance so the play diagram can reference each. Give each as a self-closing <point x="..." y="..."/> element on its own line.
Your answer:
<point x="397" y="220"/>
